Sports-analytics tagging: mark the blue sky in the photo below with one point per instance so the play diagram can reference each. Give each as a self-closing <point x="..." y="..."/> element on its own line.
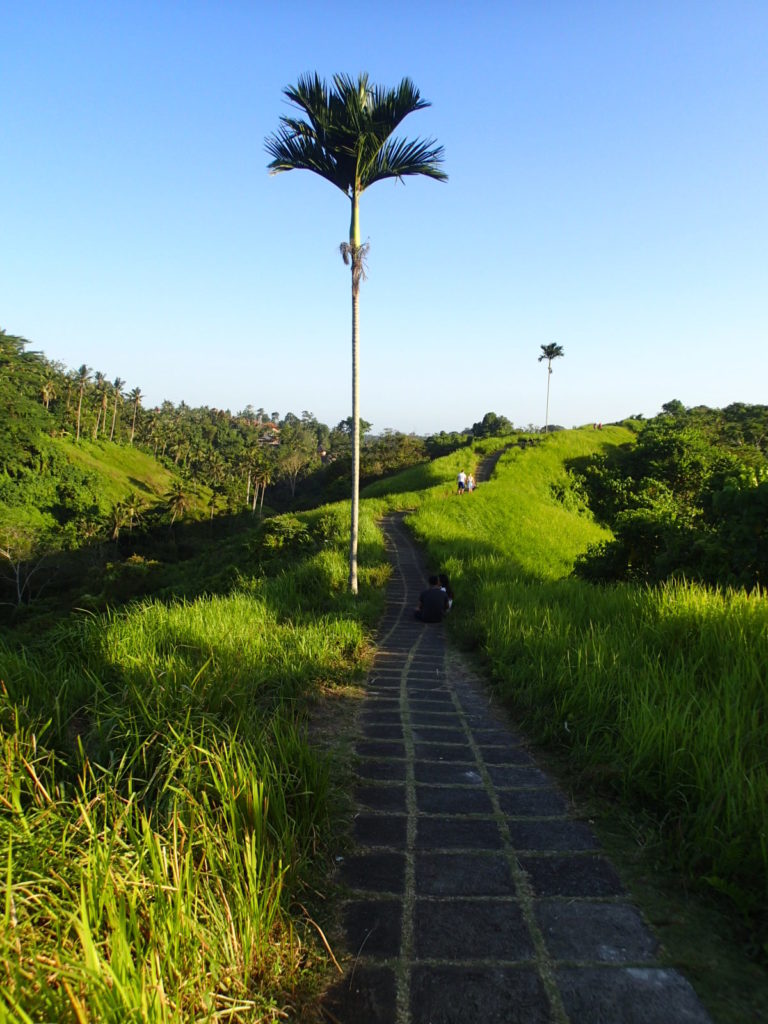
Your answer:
<point x="608" y="169"/>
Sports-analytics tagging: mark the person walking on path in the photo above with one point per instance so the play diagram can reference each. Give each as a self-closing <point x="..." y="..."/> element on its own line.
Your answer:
<point x="470" y="483"/>
<point x="462" y="481"/>
<point x="433" y="602"/>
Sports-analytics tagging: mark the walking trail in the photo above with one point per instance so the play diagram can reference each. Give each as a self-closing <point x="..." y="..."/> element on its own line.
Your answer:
<point x="474" y="895"/>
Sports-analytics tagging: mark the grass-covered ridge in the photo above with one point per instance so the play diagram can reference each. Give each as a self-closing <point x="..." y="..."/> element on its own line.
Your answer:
<point x="659" y="694"/>
<point x="162" y="807"/>
<point x="120" y="469"/>
<point x="525" y="516"/>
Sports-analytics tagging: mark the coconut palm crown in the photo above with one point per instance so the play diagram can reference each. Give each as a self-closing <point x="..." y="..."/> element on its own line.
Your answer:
<point x="346" y="136"/>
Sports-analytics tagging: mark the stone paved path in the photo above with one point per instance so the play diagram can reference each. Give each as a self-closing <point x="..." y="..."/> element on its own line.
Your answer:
<point x="474" y="896"/>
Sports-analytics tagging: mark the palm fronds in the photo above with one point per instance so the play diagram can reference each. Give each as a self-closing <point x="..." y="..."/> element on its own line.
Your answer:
<point x="346" y="137"/>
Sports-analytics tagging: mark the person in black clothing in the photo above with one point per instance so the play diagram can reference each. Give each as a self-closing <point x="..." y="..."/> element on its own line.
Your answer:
<point x="433" y="602"/>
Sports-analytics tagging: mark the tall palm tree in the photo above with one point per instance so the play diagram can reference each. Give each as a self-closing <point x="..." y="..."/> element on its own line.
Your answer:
<point x="48" y="392"/>
<point x="135" y="397"/>
<point x="216" y="469"/>
<point x="101" y="402"/>
<point x="177" y="501"/>
<point x="133" y="507"/>
<point x="71" y="378"/>
<point x="83" y="376"/>
<point x="549" y="352"/>
<point x="117" y="386"/>
<point x="251" y="459"/>
<point x="346" y="138"/>
<point x="264" y="479"/>
<point x="117" y="519"/>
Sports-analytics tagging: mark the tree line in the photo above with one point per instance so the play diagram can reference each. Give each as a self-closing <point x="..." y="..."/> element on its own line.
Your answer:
<point x="226" y="461"/>
<point x="688" y="500"/>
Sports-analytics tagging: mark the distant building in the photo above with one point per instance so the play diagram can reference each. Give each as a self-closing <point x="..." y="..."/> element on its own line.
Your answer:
<point x="269" y="433"/>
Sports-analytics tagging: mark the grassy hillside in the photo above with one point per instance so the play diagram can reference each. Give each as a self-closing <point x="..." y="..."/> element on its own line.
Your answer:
<point x="120" y="468"/>
<point x="525" y="520"/>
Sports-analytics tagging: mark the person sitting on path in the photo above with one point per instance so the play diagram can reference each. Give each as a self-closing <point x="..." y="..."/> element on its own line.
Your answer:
<point x="445" y="586"/>
<point x="462" y="481"/>
<point x="433" y="602"/>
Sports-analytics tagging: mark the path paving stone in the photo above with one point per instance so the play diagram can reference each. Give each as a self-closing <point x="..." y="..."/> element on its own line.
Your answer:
<point x="382" y="798"/>
<point x="596" y="932"/>
<point x="375" y="872"/>
<point x="630" y="995"/>
<point x="465" y="929"/>
<point x="464" y="874"/>
<point x="474" y="895"/>
<point x="488" y="995"/>
<point x="452" y="800"/>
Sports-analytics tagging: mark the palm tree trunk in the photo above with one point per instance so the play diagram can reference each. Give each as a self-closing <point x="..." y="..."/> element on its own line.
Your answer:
<point x="79" y="408"/>
<point x="354" y="241"/>
<point x="549" y="378"/>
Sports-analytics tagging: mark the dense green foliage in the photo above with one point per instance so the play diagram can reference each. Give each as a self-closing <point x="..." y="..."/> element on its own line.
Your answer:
<point x="689" y="499"/>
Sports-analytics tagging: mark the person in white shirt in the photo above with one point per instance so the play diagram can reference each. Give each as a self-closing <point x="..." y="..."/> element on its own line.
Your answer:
<point x="462" y="481"/>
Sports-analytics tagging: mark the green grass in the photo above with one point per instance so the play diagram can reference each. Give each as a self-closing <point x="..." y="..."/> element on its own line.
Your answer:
<point x="162" y="809"/>
<point x="122" y="469"/>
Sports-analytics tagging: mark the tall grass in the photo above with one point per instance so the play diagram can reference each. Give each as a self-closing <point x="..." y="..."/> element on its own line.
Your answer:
<point x="161" y="807"/>
<point x="660" y="694"/>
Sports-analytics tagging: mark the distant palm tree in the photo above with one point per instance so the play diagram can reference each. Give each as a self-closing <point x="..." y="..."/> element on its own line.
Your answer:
<point x="117" y="520"/>
<point x="264" y="479"/>
<point x="549" y="352"/>
<point x="251" y="459"/>
<point x="48" y="392"/>
<point x="346" y="139"/>
<point x="101" y="403"/>
<point x="71" y="378"/>
<point x="117" y="386"/>
<point x="83" y="376"/>
<point x="133" y="506"/>
<point x="177" y="501"/>
<point x="135" y="397"/>
<point x="216" y="470"/>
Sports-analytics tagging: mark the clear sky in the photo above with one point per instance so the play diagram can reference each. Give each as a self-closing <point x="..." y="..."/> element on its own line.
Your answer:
<point x="608" y="191"/>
